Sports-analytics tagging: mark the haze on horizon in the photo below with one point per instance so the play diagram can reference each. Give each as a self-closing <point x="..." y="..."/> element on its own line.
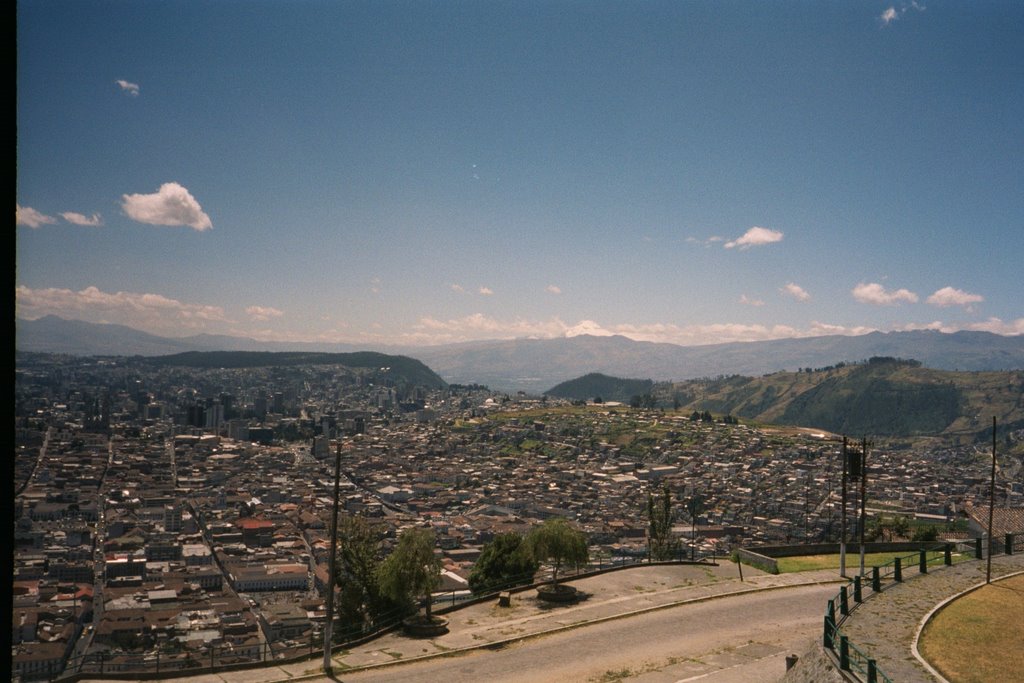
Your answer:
<point x="424" y="172"/>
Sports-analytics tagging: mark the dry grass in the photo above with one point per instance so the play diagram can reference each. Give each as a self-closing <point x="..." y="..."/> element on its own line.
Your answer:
<point x="977" y="638"/>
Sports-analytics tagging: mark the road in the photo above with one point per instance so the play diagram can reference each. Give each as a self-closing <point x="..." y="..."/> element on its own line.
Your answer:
<point x="728" y="640"/>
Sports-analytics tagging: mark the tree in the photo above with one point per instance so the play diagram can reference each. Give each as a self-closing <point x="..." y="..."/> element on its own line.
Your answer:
<point x="360" y="600"/>
<point x="412" y="569"/>
<point x="505" y="561"/>
<point x="557" y="543"/>
<point x="660" y="541"/>
<point x="926" y="533"/>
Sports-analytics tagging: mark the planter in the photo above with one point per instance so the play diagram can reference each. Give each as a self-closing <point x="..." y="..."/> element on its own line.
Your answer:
<point x="556" y="593"/>
<point x="421" y="627"/>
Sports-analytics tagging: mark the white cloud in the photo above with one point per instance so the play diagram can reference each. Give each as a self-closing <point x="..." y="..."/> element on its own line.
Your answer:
<point x="128" y="88"/>
<point x="796" y="291"/>
<point x="744" y="299"/>
<point x="993" y="325"/>
<point x="486" y="291"/>
<point x="587" y="327"/>
<point x="554" y="289"/>
<point x="81" y="219"/>
<point x="150" y="312"/>
<point x="262" y="313"/>
<point x="874" y="293"/>
<point x="458" y="288"/>
<point x="948" y="296"/>
<point x="478" y="326"/>
<point x="26" y="215"/>
<point x="891" y="14"/>
<point x="172" y="204"/>
<point x="754" y="237"/>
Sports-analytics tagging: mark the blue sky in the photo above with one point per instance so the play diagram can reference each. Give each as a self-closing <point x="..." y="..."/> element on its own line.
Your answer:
<point x="427" y="172"/>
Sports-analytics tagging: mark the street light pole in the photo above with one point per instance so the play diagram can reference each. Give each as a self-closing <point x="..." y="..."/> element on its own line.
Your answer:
<point x="329" y="624"/>
<point x="991" y="503"/>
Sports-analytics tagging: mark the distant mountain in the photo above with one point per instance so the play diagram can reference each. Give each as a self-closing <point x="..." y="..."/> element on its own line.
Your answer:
<point x="596" y="385"/>
<point x="884" y="397"/>
<point x="535" y="365"/>
<point x="408" y="369"/>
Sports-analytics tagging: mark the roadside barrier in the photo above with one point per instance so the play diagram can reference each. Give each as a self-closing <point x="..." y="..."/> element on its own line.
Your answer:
<point x="858" y="662"/>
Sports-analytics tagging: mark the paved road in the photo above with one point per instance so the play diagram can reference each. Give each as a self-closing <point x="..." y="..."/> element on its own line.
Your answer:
<point x="730" y="639"/>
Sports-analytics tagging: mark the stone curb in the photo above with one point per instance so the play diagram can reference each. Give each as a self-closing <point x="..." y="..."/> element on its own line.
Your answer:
<point x="928" y="617"/>
<point x="501" y="644"/>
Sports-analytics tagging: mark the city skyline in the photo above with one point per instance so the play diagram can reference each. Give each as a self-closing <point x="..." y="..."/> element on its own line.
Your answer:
<point x="421" y="173"/>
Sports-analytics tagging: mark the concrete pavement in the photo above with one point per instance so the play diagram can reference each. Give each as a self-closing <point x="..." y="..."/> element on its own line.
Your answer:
<point x="610" y="595"/>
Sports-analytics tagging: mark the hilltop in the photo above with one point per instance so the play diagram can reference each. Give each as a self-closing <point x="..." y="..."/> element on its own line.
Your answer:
<point x="883" y="396"/>
<point x="402" y="367"/>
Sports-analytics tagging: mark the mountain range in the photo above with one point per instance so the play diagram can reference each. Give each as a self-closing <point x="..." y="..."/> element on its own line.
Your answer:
<point x="535" y="365"/>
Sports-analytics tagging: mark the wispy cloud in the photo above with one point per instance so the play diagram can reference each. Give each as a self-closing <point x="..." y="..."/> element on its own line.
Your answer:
<point x="754" y="237"/>
<point x="82" y="219"/>
<point x="876" y="294"/>
<point x="705" y="242"/>
<point x="949" y="296"/>
<point x="486" y="291"/>
<point x="796" y="291"/>
<point x="263" y="313"/>
<point x="891" y="14"/>
<point x="151" y="312"/>
<point x="747" y="301"/>
<point x="29" y="217"/>
<point x="457" y="287"/>
<point x="128" y="88"/>
<point x="554" y="289"/>
<point x="172" y="204"/>
<point x="993" y="325"/>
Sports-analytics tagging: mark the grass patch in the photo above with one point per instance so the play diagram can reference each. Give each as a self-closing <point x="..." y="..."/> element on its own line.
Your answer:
<point x="805" y="563"/>
<point x="611" y="676"/>
<point x="977" y="637"/>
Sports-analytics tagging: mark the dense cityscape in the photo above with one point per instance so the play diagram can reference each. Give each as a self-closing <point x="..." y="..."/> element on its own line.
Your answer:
<point x="167" y="517"/>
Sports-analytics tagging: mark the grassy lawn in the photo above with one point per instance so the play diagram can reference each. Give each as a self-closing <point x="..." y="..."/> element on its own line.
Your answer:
<point x="805" y="563"/>
<point x="977" y="637"/>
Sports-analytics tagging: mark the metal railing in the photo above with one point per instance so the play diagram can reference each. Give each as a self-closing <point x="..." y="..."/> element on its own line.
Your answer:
<point x="856" y="661"/>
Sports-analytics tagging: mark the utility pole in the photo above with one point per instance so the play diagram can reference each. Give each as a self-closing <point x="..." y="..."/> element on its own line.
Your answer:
<point x="991" y="503"/>
<point x="842" y="530"/>
<point x="329" y="623"/>
<point x="863" y="497"/>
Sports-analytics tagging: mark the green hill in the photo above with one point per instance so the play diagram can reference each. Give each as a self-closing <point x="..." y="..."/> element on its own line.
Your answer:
<point x="884" y="397"/>
<point x="597" y="385"/>
<point x="398" y="367"/>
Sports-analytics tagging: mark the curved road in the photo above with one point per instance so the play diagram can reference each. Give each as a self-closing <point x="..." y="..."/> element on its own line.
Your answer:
<point x="734" y="639"/>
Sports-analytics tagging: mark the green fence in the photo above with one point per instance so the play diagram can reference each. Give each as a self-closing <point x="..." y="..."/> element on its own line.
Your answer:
<point x="858" y="662"/>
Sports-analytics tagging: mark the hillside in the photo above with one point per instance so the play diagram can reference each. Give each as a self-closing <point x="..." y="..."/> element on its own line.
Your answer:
<point x="407" y="369"/>
<point x="597" y="385"/>
<point x="884" y="397"/>
<point x="881" y="397"/>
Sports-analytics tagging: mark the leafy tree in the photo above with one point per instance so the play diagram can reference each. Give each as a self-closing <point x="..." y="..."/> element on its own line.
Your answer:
<point x="556" y="542"/>
<point x="659" y="536"/>
<point x="412" y="569"/>
<point x="900" y="527"/>
<point x="360" y="600"/>
<point x="504" y="561"/>
<point x="926" y="533"/>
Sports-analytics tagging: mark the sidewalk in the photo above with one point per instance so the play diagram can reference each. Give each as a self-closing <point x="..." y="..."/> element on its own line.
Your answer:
<point x="607" y="596"/>
<point x="885" y="625"/>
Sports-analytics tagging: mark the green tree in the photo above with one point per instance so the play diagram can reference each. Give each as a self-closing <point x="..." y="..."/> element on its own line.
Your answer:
<point x="926" y="533"/>
<point x="557" y="543"/>
<point x="503" y="562"/>
<point x="900" y="527"/>
<point x="660" y="541"/>
<point x="360" y="600"/>
<point x="412" y="569"/>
